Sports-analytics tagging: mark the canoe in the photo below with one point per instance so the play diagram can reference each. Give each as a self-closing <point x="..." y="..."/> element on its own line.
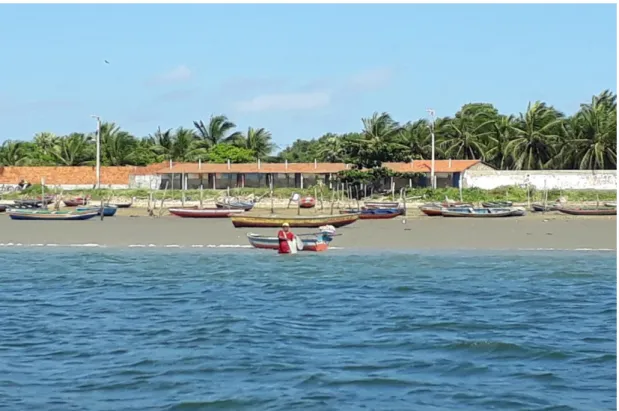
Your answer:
<point x="74" y="202"/>
<point x="50" y="215"/>
<point x="195" y="212"/>
<point x="307" y="202"/>
<point x="338" y="220"/>
<point x="588" y="211"/>
<point x="436" y="209"/>
<point x="375" y="213"/>
<point x="237" y="205"/>
<point x="483" y="212"/>
<point x="542" y="208"/>
<point x="27" y="204"/>
<point x="610" y="205"/>
<point x="108" y="210"/>
<point x="121" y="205"/>
<point x="310" y="242"/>
<point x="3" y="208"/>
<point x="497" y="204"/>
<point x="381" y="204"/>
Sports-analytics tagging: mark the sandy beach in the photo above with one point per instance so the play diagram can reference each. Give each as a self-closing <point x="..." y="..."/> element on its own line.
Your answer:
<point x="133" y="227"/>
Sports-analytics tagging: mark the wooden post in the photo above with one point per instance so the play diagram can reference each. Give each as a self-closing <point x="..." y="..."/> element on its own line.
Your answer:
<point x="165" y="190"/>
<point x="272" y="206"/>
<point x="183" y="198"/>
<point x="299" y="206"/>
<point x="332" y="200"/>
<point x="315" y="198"/>
<point x="201" y="197"/>
<point x="403" y="195"/>
<point x="321" y="202"/>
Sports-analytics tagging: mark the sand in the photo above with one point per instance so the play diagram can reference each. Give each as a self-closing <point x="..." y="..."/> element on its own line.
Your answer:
<point x="534" y="231"/>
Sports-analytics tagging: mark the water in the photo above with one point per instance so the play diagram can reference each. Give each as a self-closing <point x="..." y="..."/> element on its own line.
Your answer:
<point x="249" y="330"/>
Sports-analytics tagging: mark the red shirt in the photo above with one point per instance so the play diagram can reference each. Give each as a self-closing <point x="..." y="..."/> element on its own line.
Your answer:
<point x="284" y="237"/>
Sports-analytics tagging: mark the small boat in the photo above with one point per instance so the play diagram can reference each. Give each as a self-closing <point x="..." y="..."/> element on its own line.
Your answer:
<point x="610" y="204"/>
<point x="338" y="220"/>
<point x="51" y="215"/>
<point x="120" y="205"/>
<point x="307" y="202"/>
<point x="588" y="211"/>
<point x="381" y="204"/>
<point x="3" y="208"/>
<point x="196" y="212"/>
<point x="307" y="242"/>
<point x="497" y="204"/>
<point x="483" y="212"/>
<point x="108" y="210"/>
<point x="543" y="208"/>
<point x="74" y="202"/>
<point x="236" y="205"/>
<point x="29" y="203"/>
<point x="436" y="209"/>
<point x="375" y="213"/>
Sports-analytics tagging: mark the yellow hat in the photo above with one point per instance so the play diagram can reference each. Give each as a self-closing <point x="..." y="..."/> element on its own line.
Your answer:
<point x="285" y="225"/>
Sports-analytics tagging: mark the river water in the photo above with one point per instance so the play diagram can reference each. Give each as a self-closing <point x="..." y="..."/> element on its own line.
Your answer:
<point x="249" y="330"/>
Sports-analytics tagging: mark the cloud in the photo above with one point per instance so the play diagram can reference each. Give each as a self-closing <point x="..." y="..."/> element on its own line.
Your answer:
<point x="176" y="95"/>
<point x="370" y="80"/>
<point x="285" y="102"/>
<point x="178" y="74"/>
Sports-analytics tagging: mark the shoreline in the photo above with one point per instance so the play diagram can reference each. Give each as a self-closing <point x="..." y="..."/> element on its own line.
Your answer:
<point x="532" y="232"/>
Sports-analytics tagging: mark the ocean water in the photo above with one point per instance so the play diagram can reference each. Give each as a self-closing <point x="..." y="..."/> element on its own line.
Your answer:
<point x="250" y="330"/>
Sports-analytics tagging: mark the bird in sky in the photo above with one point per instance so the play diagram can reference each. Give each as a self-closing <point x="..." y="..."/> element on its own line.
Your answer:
<point x="106" y="62"/>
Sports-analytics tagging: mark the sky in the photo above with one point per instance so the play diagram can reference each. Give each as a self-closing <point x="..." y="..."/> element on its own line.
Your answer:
<point x="299" y="71"/>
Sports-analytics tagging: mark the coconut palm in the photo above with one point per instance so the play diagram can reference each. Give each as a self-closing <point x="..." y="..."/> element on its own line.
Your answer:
<point x="378" y="142"/>
<point x="218" y="130"/>
<point x="117" y="146"/>
<point x="257" y="140"/>
<point x="13" y="153"/>
<point x="74" y="150"/>
<point x="416" y="137"/>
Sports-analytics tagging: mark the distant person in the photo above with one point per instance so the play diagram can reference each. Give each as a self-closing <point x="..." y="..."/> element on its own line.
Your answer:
<point x="23" y="184"/>
<point x="285" y="236"/>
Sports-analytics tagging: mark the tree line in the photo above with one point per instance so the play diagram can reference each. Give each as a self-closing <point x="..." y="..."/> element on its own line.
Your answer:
<point x="539" y="138"/>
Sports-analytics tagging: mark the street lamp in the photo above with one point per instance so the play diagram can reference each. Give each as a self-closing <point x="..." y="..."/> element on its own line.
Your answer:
<point x="98" y="150"/>
<point x="431" y="112"/>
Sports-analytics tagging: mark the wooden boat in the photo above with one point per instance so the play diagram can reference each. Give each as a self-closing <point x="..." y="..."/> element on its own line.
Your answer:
<point x="436" y="209"/>
<point x="497" y="204"/>
<point x="588" y="211"/>
<point x="307" y="202"/>
<point x="236" y="205"/>
<point x="543" y="208"/>
<point x="28" y="203"/>
<point x="74" y="202"/>
<point x="120" y="205"/>
<point x="307" y="242"/>
<point x="375" y="213"/>
<point x="381" y="204"/>
<point x="614" y="204"/>
<point x="108" y="210"/>
<point x="338" y="220"/>
<point x="483" y="212"/>
<point x="196" y="212"/>
<point x="50" y="215"/>
<point x="3" y="208"/>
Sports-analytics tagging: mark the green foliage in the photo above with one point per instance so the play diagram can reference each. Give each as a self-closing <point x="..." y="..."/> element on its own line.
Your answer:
<point x="221" y="153"/>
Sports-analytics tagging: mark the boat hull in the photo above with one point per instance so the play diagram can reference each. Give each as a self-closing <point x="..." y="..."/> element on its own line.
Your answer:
<point x="121" y="205"/>
<point x="307" y="202"/>
<point x="235" y="206"/>
<point x="595" y="212"/>
<point x="541" y="208"/>
<point x="75" y="202"/>
<point x="497" y="204"/>
<point x="272" y="243"/>
<point x="108" y="211"/>
<point x="205" y="212"/>
<point x="431" y="211"/>
<point x="381" y="204"/>
<point x="376" y="213"/>
<point x="50" y="215"/>
<point x="483" y="212"/>
<point x="299" y="222"/>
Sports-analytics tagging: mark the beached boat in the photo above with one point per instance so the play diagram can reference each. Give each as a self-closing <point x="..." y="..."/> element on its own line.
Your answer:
<point x="307" y="202"/>
<point x="338" y="220"/>
<point x="307" y="242"/>
<point x="381" y="204"/>
<point x="588" y="211"/>
<point x="614" y="204"/>
<point x="497" y="204"/>
<point x="108" y="210"/>
<point x="28" y="203"/>
<point x="375" y="213"/>
<point x="484" y="212"/>
<point x="436" y="209"/>
<point x="74" y="202"/>
<point x="196" y="212"/>
<point x="50" y="215"/>
<point x="236" y="205"/>
<point x="121" y="205"/>
<point x="3" y="208"/>
<point x="543" y="208"/>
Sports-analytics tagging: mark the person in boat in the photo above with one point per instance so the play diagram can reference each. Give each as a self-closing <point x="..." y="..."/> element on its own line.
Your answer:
<point x="284" y="235"/>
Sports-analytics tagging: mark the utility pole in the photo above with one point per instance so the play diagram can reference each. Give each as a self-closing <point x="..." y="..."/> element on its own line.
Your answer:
<point x="432" y="179"/>
<point x="98" y="150"/>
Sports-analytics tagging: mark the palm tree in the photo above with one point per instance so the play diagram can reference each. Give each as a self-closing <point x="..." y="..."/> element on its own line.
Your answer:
<point x="332" y="148"/>
<point x="117" y="147"/>
<point x="45" y="141"/>
<point x="416" y="137"/>
<point x="378" y="142"/>
<point x="73" y="150"/>
<point x="257" y="140"/>
<point x="465" y="136"/>
<point x="12" y="153"/>
<point x="535" y="134"/>
<point x="502" y="133"/>
<point x="217" y="131"/>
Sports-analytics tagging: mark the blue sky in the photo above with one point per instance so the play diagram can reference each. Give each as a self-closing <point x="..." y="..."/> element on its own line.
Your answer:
<point x="298" y="70"/>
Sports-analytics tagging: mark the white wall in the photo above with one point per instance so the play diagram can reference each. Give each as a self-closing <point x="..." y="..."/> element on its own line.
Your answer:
<point x="148" y="182"/>
<point x="552" y="180"/>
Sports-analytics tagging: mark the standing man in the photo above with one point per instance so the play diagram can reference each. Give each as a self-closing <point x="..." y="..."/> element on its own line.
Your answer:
<point x="285" y="235"/>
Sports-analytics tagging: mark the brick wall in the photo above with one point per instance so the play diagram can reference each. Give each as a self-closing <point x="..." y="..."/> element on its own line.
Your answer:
<point x="74" y="175"/>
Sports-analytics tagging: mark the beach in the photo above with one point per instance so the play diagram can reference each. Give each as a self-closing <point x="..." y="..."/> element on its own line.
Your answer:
<point x="133" y="227"/>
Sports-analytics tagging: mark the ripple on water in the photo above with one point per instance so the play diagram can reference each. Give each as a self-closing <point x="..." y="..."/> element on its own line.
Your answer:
<point x="214" y="330"/>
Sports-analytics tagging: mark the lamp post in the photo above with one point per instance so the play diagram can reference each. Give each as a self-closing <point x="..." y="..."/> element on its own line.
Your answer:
<point x="98" y="166"/>
<point x="432" y="180"/>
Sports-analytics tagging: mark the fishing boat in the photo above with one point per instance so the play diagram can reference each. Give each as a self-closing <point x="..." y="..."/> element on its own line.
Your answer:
<point x="27" y="203"/>
<point x="304" y="242"/>
<point x="338" y="220"/>
<point x="120" y="205"/>
<point x="484" y="212"/>
<point x="588" y="211"/>
<point x="108" y="210"/>
<point x="307" y="202"/>
<point x="436" y="209"/>
<point x="381" y="204"/>
<point x="50" y="215"/>
<point x="236" y="205"/>
<point x="543" y="208"/>
<point x="196" y="212"/>
<point x="375" y="213"/>
<point x="78" y="201"/>
<point x="3" y="208"/>
<point x="610" y="204"/>
<point x="497" y="204"/>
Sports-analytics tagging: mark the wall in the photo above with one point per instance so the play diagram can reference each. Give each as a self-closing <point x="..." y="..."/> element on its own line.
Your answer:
<point x="552" y="180"/>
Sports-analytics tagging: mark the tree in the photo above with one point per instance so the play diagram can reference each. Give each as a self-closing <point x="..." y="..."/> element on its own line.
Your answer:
<point x="117" y="146"/>
<point x="256" y="140"/>
<point x="221" y="153"/>
<point x="74" y="150"/>
<point x="217" y="131"/>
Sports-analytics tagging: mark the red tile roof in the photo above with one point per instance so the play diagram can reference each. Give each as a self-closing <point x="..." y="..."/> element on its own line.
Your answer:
<point x="416" y="166"/>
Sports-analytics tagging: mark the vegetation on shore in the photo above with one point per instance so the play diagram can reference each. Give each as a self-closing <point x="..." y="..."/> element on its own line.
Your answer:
<point x="539" y="138"/>
<point x="512" y="193"/>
